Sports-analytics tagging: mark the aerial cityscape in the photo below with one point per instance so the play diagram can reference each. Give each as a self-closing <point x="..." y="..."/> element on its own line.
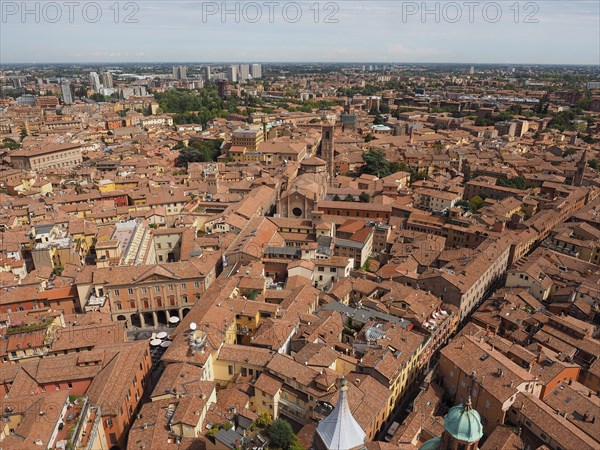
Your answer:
<point x="254" y="252"/>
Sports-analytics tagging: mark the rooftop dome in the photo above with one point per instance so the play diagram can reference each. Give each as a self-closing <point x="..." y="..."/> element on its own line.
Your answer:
<point x="313" y="161"/>
<point x="432" y="444"/>
<point x="463" y="423"/>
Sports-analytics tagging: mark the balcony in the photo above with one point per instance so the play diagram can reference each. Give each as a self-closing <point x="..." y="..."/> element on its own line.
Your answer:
<point x="291" y="409"/>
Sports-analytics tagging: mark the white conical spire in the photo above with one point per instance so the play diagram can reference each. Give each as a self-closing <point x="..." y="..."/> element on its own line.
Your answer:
<point x="339" y="430"/>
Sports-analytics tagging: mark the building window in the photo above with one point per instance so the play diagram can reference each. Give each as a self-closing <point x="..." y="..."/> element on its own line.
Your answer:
<point x="144" y="290"/>
<point x="156" y="288"/>
<point x="118" y="305"/>
<point x="183" y="286"/>
<point x="171" y="287"/>
<point x="116" y="292"/>
<point x="230" y="370"/>
<point x="196" y="284"/>
<point x="184" y="298"/>
<point x="130" y="291"/>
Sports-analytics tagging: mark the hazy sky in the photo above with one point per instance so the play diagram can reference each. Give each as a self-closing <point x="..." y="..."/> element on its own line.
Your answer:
<point x="542" y="32"/>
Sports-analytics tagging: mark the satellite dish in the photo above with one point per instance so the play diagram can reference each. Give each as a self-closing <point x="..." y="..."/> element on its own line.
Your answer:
<point x="193" y="326"/>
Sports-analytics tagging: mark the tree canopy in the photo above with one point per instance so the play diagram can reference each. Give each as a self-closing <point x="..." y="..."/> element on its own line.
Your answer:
<point x="198" y="151"/>
<point x="282" y="436"/>
<point x="515" y="183"/>
<point x="377" y="164"/>
<point x="364" y="197"/>
<point x="196" y="106"/>
<point x="10" y="144"/>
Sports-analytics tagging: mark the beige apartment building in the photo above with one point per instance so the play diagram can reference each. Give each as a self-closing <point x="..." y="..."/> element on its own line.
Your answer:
<point x="47" y="157"/>
<point x="147" y="295"/>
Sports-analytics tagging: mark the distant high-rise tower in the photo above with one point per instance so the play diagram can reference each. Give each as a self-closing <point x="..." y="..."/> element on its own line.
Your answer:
<point x="107" y="80"/>
<point x="232" y="73"/>
<point x="206" y="72"/>
<point x="244" y="72"/>
<point x="579" y="174"/>
<point x="327" y="152"/>
<point x="67" y="95"/>
<point x="472" y="71"/>
<point x="180" y="72"/>
<point x="256" y="71"/>
<point x="95" y="81"/>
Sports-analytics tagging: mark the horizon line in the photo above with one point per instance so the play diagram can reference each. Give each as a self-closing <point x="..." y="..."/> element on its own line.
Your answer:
<point x="299" y="62"/>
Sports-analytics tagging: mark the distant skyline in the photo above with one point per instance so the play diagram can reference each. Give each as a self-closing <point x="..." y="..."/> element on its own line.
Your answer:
<point x="567" y="32"/>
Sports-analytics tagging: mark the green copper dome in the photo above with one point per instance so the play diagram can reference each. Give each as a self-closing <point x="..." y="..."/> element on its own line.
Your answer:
<point x="432" y="444"/>
<point x="464" y="423"/>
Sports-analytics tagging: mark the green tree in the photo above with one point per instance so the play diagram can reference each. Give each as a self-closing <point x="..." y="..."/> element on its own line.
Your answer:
<point x="281" y="434"/>
<point x="462" y="204"/>
<point x="10" y="144"/>
<point x="336" y="198"/>
<point x="416" y="175"/>
<point x="438" y="145"/>
<point x="349" y="198"/>
<point x="594" y="164"/>
<point x="97" y="97"/>
<point x="200" y="106"/>
<point x="263" y="420"/>
<point x="475" y="203"/>
<point x="376" y="163"/>
<point x="199" y="151"/>
<point x="515" y="183"/>
<point x="378" y="120"/>
<point x="364" y="197"/>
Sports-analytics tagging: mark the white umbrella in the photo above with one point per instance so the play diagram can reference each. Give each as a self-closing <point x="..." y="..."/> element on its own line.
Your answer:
<point x="162" y="335"/>
<point x="174" y="319"/>
<point x="155" y="342"/>
<point x="166" y="344"/>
